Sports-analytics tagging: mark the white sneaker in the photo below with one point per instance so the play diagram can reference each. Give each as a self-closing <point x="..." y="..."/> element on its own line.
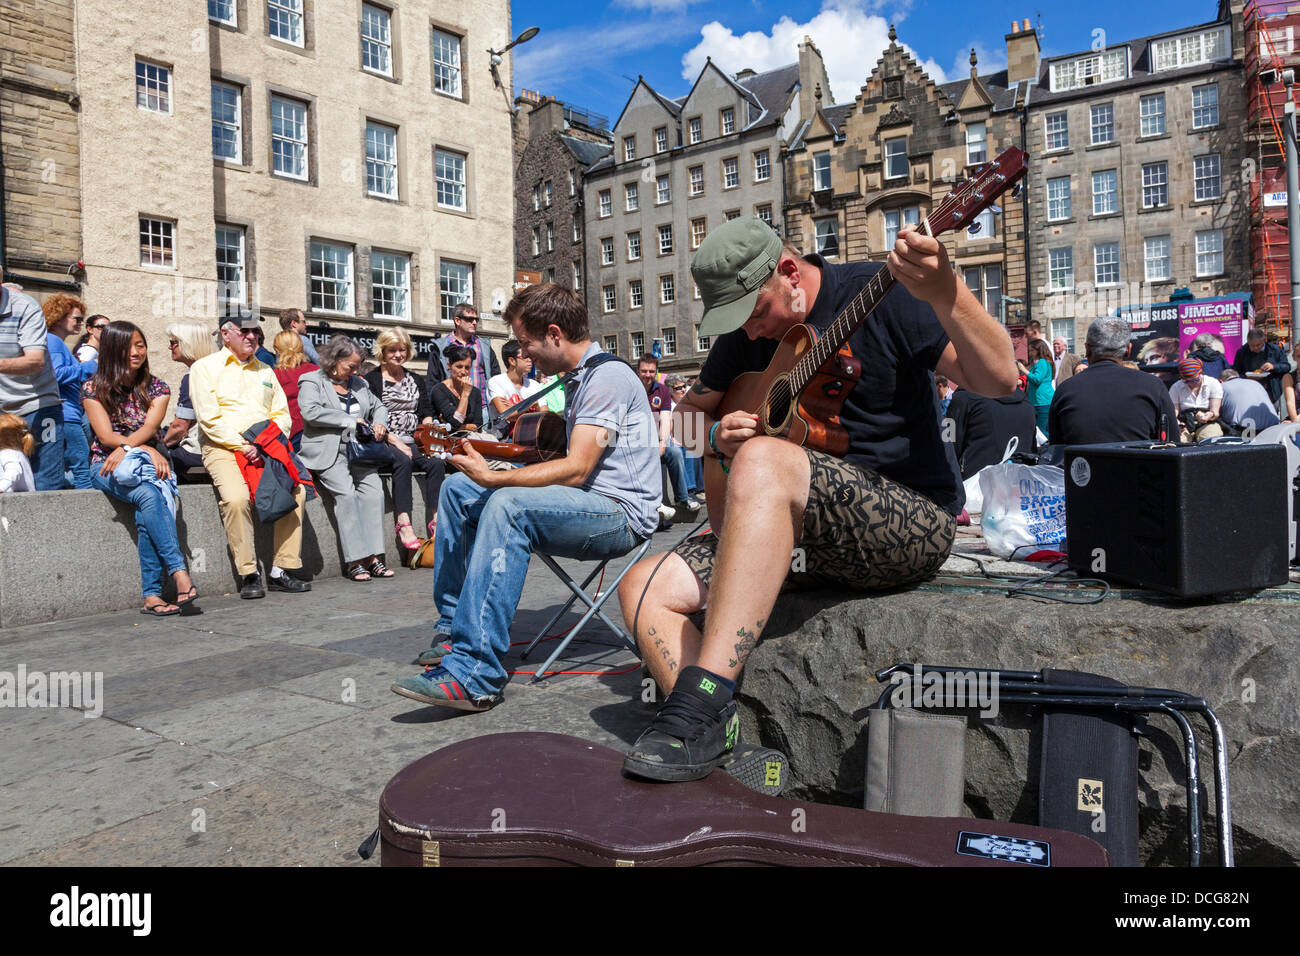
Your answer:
<point x="692" y="505"/>
<point x="667" y="513"/>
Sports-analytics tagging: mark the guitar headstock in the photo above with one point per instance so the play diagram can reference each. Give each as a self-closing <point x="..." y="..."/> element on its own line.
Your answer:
<point x="972" y="196"/>
<point x="435" y="440"/>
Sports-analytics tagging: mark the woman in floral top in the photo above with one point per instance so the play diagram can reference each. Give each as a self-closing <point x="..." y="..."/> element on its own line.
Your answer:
<point x="406" y="397"/>
<point x="125" y="405"/>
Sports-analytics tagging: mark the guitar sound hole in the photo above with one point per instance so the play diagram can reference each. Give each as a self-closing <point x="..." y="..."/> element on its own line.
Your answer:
<point x="777" y="408"/>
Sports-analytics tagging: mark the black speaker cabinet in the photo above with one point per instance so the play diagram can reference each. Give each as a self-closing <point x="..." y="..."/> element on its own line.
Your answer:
<point x="1190" y="520"/>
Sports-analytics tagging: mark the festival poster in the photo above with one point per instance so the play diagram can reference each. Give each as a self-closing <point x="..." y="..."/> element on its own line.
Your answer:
<point x="1155" y="337"/>
<point x="1227" y="319"/>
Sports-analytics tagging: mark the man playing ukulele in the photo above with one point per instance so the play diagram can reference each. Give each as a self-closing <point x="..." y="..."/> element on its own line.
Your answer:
<point x="883" y="516"/>
<point x="597" y="501"/>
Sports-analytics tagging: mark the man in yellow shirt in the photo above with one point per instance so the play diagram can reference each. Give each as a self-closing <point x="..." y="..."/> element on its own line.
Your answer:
<point x="233" y="391"/>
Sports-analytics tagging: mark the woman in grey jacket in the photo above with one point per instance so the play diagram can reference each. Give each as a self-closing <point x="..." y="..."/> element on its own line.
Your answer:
<point x="332" y="401"/>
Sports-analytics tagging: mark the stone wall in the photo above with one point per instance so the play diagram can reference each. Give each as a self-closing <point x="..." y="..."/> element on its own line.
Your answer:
<point x="38" y="115"/>
<point x="66" y="554"/>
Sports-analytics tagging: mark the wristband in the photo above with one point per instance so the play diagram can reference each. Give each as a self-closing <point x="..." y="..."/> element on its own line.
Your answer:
<point x="713" y="443"/>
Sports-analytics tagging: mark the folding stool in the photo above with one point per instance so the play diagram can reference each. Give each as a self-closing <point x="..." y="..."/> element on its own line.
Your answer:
<point x="593" y="604"/>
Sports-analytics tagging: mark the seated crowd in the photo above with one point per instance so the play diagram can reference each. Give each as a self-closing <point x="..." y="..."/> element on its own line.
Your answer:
<point x="271" y="426"/>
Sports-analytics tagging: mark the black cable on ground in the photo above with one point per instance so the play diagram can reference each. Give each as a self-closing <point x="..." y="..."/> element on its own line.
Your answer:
<point x="1024" y="585"/>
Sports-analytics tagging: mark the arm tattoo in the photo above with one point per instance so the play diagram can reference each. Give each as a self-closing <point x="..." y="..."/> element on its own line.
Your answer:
<point x="746" y="643"/>
<point x="699" y="389"/>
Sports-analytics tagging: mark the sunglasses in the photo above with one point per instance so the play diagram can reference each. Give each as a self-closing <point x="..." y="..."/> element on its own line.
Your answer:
<point x="100" y="325"/>
<point x="173" y="344"/>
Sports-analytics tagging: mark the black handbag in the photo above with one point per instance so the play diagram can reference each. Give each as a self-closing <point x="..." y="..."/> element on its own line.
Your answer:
<point x="366" y="449"/>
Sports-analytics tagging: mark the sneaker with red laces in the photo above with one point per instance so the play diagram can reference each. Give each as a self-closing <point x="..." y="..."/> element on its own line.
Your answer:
<point x="436" y="686"/>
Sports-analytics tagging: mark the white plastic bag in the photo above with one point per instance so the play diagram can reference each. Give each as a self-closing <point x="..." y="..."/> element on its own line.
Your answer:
<point x="974" y="496"/>
<point x="1024" y="506"/>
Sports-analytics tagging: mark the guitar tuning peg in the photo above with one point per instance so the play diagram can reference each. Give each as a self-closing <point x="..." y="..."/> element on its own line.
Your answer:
<point x="1017" y="189"/>
<point x="973" y="228"/>
<point x="995" y="209"/>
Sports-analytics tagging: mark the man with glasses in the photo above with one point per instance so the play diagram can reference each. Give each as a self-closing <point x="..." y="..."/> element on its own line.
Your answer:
<point x="232" y="391"/>
<point x="28" y="387"/>
<point x="677" y="387"/>
<point x="670" y="453"/>
<point x="464" y="319"/>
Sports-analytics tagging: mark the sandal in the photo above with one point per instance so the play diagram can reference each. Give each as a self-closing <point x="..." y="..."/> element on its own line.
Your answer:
<point x="355" y="572"/>
<point x="410" y="532"/>
<point x="155" y="610"/>
<point x="187" y="597"/>
<point x="378" y="569"/>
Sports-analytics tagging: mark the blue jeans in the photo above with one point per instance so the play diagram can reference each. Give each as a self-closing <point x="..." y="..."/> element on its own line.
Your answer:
<point x="76" y="456"/>
<point x="46" y="426"/>
<point x="155" y="528"/>
<point x="674" y="458"/>
<point x="483" y="543"/>
<point x="694" y="471"/>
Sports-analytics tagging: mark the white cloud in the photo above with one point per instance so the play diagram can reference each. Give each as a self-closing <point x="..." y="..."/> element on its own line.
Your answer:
<point x="850" y="36"/>
<point x="989" y="61"/>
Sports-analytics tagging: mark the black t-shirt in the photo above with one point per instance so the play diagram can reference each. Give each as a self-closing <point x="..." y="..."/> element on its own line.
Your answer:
<point x="892" y="416"/>
<point x="1107" y="402"/>
<point x="983" y="427"/>
<point x="445" y="402"/>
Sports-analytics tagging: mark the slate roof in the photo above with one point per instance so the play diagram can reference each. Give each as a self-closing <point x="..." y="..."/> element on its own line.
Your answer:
<point x="1141" y="71"/>
<point x="995" y="85"/>
<point x="772" y="90"/>
<point x="585" y="151"/>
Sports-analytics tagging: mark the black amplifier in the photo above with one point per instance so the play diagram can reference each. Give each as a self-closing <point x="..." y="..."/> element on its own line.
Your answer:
<point x="1190" y="520"/>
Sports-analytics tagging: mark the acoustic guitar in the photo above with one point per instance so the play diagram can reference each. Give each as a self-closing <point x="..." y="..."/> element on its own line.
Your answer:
<point x="538" y="436"/>
<point x="799" y="395"/>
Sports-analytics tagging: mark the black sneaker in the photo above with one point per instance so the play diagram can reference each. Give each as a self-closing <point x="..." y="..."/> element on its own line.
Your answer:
<point x="761" y="769"/>
<point x="687" y="738"/>
<point x="287" y="582"/>
<point x="252" y="587"/>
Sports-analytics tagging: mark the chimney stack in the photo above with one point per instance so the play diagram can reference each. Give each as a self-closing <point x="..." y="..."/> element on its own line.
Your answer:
<point x="1022" y="52"/>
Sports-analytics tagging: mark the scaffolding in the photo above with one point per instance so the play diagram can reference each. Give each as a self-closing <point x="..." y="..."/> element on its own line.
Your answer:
<point x="1271" y="29"/>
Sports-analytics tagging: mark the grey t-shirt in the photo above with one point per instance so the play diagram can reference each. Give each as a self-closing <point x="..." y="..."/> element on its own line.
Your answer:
<point x="22" y="327"/>
<point x="1244" y="400"/>
<point x="611" y="396"/>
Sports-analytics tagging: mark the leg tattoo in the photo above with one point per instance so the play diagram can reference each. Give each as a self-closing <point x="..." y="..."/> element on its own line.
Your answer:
<point x="746" y="643"/>
<point x="662" y="646"/>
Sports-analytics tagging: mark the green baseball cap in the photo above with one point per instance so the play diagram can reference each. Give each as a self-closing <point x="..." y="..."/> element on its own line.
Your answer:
<point x="730" y="266"/>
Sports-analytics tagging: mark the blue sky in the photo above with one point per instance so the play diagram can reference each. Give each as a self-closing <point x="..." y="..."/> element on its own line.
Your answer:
<point x="590" y="53"/>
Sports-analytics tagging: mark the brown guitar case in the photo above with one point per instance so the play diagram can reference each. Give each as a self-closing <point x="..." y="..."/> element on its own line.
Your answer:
<point x="536" y="799"/>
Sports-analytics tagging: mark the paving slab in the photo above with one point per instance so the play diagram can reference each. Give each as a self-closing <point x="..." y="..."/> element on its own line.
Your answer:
<point x="50" y="808"/>
<point x="274" y="820"/>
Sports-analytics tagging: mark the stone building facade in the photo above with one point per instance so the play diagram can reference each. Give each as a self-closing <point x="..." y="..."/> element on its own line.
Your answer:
<point x="40" y="205"/>
<point x="859" y="172"/>
<point x="679" y="168"/>
<point x="254" y="155"/>
<point x="549" y="233"/>
<point x="1136" y="185"/>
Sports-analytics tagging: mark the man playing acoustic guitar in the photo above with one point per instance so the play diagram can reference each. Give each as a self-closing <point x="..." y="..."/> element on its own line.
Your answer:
<point x="882" y="516"/>
<point x="597" y="501"/>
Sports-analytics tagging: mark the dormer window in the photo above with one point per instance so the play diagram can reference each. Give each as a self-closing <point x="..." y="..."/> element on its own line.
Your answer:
<point x="1090" y="70"/>
<point x="1190" y="49"/>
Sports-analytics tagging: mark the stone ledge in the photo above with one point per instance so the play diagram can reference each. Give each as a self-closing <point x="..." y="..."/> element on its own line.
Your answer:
<point x="808" y="683"/>
<point x="68" y="554"/>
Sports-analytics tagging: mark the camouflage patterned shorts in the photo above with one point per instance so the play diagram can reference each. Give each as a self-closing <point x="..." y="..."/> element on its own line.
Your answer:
<point x="860" y="531"/>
